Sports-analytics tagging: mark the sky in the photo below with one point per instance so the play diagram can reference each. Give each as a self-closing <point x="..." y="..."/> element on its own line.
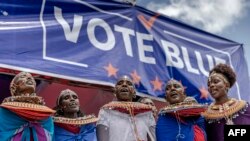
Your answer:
<point x="226" y="18"/>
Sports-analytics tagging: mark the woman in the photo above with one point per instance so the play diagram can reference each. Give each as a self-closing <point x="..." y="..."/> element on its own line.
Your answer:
<point x="224" y="110"/>
<point x="181" y="119"/>
<point x="124" y="120"/>
<point x="148" y="101"/>
<point x="23" y="115"/>
<point x="70" y="123"/>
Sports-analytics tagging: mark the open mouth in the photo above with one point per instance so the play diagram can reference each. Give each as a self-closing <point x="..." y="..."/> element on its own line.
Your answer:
<point x="173" y="94"/>
<point x="29" y="82"/>
<point x="124" y="90"/>
<point x="213" y="91"/>
<point x="73" y="104"/>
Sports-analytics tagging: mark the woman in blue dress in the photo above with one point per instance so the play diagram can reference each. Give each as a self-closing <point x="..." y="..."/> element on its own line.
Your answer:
<point x="70" y="123"/>
<point x="181" y="120"/>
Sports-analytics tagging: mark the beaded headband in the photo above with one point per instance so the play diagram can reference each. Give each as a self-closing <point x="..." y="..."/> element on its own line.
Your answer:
<point x="172" y="81"/>
<point x="62" y="93"/>
<point x="125" y="77"/>
<point x="220" y="75"/>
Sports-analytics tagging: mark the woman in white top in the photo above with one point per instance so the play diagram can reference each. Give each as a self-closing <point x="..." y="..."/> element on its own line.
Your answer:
<point x="124" y="120"/>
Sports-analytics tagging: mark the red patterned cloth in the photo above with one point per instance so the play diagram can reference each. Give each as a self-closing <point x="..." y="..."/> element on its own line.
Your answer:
<point x="133" y="108"/>
<point x="29" y="113"/>
<point x="198" y="134"/>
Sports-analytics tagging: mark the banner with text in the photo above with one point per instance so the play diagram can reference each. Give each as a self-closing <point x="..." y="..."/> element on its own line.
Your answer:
<point x="97" y="41"/>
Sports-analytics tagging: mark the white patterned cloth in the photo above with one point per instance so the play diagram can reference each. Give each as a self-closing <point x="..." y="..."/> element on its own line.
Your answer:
<point x="121" y="127"/>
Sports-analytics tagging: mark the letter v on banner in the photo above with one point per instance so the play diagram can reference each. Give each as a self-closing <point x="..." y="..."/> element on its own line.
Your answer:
<point x="70" y="35"/>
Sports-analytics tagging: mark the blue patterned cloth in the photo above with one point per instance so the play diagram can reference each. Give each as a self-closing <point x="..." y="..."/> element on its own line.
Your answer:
<point x="168" y="128"/>
<point x="87" y="133"/>
<point x="15" y="128"/>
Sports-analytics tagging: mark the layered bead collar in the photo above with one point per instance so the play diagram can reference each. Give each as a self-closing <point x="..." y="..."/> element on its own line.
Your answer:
<point x="132" y="108"/>
<point x="227" y="110"/>
<point x="29" y="111"/>
<point x="184" y="109"/>
<point x="76" y="121"/>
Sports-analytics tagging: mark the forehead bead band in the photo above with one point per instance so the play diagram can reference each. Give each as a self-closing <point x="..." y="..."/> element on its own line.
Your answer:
<point x="67" y="91"/>
<point x="220" y="75"/>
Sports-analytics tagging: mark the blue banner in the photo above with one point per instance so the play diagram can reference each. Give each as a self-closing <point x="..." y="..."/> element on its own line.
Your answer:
<point x="96" y="42"/>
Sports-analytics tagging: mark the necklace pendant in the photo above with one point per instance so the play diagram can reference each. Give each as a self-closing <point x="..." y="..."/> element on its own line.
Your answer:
<point x="230" y="122"/>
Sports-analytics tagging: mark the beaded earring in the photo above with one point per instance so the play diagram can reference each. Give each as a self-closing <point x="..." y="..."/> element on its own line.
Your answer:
<point x="134" y="96"/>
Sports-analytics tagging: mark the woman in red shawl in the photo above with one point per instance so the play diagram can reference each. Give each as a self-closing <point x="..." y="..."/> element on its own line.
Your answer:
<point x="23" y="115"/>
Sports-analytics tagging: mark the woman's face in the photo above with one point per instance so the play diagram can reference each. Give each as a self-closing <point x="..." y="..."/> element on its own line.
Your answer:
<point x="148" y="101"/>
<point x="124" y="90"/>
<point x="69" y="102"/>
<point x="174" y="92"/>
<point x="25" y="84"/>
<point x="217" y="87"/>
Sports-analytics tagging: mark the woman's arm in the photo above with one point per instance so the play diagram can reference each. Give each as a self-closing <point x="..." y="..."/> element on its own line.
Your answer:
<point x="102" y="133"/>
<point x="151" y="135"/>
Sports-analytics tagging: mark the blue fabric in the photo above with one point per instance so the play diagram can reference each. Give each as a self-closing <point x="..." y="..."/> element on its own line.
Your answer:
<point x="11" y="124"/>
<point x="169" y="129"/>
<point x="87" y="133"/>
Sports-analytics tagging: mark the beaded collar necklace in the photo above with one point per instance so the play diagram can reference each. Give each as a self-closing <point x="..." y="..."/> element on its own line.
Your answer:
<point x="226" y="110"/>
<point x="27" y="106"/>
<point x="182" y="105"/>
<point x="76" y="121"/>
<point x="32" y="99"/>
<point x="128" y="106"/>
